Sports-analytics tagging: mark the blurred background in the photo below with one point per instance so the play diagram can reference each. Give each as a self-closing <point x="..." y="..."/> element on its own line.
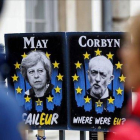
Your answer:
<point x="21" y="16"/>
<point x="24" y="16"/>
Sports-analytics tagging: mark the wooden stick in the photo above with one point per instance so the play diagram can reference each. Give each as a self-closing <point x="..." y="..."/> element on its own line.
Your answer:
<point x="41" y="133"/>
<point x="100" y="135"/>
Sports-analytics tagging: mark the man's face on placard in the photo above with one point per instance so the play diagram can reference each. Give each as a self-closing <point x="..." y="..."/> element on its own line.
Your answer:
<point x="100" y="76"/>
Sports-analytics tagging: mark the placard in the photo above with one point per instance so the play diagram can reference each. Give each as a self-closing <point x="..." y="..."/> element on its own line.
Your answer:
<point x="96" y="91"/>
<point x="67" y="80"/>
<point x="37" y="76"/>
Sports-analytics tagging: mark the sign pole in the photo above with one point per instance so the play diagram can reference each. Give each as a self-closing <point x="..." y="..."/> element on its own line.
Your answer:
<point x="100" y="135"/>
<point x="82" y="135"/>
<point x="61" y="135"/>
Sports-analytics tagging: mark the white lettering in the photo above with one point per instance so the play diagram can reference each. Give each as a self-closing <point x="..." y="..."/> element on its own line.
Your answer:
<point x="24" y="115"/>
<point x="90" y="42"/>
<point x="84" y="42"/>
<point x="109" y="41"/>
<point x="83" y="120"/>
<point x="80" y="41"/>
<point x="28" y="42"/>
<point x="117" y="42"/>
<point x="102" y="120"/>
<point x="45" y="43"/>
<point x="39" y="44"/>
<point x="54" y="118"/>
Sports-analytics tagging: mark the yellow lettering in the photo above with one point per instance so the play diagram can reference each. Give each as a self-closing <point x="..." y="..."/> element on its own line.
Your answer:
<point x="115" y="120"/>
<point x="119" y="121"/>
<point x="42" y="119"/>
<point x="48" y="120"/>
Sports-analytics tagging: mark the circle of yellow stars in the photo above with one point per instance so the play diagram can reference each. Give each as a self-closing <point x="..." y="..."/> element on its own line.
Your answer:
<point x="59" y="78"/>
<point x="118" y="66"/>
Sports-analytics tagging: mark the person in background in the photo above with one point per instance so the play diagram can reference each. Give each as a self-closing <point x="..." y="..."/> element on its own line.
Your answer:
<point x="11" y="127"/>
<point x="130" y="55"/>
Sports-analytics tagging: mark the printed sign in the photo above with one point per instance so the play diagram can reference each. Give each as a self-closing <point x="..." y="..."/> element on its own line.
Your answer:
<point x="37" y="77"/>
<point x="96" y="92"/>
<point x="67" y="80"/>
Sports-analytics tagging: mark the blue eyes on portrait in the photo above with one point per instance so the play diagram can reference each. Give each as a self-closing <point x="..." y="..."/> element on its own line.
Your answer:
<point x="94" y="73"/>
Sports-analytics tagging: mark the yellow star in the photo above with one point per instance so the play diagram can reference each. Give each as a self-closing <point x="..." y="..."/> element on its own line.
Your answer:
<point x="48" y="55"/>
<point x="27" y="99"/>
<point x="75" y="77"/>
<point x="78" y="65"/>
<point x="18" y="90"/>
<point x="111" y="100"/>
<point x="122" y="78"/>
<point x="15" y="78"/>
<point x="119" y="91"/>
<point x="99" y="104"/>
<point x="60" y="77"/>
<point x="87" y="99"/>
<point x="50" y="99"/>
<point x="86" y="55"/>
<point x="98" y="52"/>
<point x="17" y="65"/>
<point x="24" y="55"/>
<point x="57" y="89"/>
<point x="110" y="55"/>
<point x="119" y="65"/>
<point x="38" y="102"/>
<point x="55" y="64"/>
<point x="78" y="90"/>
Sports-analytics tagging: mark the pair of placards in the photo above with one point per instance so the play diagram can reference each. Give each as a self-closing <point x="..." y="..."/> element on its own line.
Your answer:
<point x="80" y="74"/>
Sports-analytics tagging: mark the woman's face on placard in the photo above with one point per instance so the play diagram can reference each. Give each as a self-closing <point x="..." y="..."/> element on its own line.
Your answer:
<point x="37" y="76"/>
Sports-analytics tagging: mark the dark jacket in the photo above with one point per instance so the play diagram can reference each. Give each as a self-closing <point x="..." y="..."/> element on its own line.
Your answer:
<point x="34" y="99"/>
<point x="96" y="100"/>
